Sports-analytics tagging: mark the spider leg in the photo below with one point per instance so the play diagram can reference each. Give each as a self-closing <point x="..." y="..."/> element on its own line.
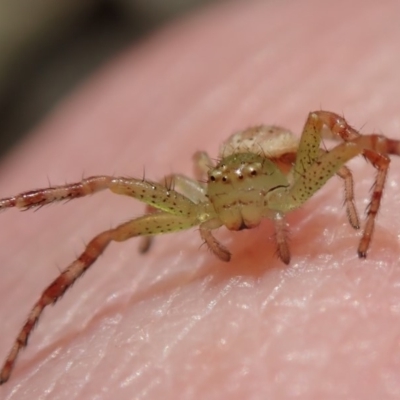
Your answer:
<point x="339" y="127"/>
<point x="190" y="188"/>
<point x="223" y="253"/>
<point x="41" y="197"/>
<point x="152" y="193"/>
<point x="159" y="222"/>
<point x="281" y="238"/>
<point x="213" y="244"/>
<point x="351" y="210"/>
<point x="374" y="147"/>
<point x="202" y="163"/>
<point x="309" y="147"/>
<point x="345" y="174"/>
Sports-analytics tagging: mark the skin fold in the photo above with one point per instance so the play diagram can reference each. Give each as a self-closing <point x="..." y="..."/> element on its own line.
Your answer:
<point x="176" y="322"/>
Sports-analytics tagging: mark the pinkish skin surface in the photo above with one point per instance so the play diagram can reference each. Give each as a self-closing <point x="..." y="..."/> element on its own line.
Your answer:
<point x="178" y="323"/>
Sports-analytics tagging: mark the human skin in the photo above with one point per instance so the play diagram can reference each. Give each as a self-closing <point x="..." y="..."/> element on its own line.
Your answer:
<point x="177" y="323"/>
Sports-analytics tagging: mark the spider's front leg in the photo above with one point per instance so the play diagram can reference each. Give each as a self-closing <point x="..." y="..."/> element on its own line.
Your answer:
<point x="154" y="194"/>
<point x="178" y="213"/>
<point x="155" y="223"/>
<point x="313" y="169"/>
<point x="40" y="197"/>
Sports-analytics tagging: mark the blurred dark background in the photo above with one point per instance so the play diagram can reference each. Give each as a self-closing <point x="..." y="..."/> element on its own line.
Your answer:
<point x="48" y="47"/>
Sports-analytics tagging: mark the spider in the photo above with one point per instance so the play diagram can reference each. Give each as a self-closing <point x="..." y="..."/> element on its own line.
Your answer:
<point x="262" y="172"/>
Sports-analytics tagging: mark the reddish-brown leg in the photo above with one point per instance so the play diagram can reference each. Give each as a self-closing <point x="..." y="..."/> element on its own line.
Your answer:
<point x="52" y="293"/>
<point x="41" y="197"/>
<point x="158" y="222"/>
<point x="351" y="210"/>
<point x="339" y="127"/>
<point x="281" y="238"/>
<point x="152" y="193"/>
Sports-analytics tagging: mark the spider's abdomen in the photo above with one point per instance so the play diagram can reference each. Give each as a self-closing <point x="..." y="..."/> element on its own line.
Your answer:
<point x="237" y="189"/>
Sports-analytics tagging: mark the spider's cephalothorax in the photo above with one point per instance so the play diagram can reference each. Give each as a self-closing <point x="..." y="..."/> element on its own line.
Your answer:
<point x="263" y="172"/>
<point x="238" y="187"/>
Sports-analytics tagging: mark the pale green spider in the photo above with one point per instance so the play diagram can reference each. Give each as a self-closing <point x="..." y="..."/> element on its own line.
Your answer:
<point x="263" y="172"/>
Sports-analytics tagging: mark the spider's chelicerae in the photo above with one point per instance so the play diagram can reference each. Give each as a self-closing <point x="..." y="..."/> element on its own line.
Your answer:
<point x="262" y="172"/>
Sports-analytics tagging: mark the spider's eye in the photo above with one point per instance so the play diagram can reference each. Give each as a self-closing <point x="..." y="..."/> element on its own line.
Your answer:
<point x="212" y="178"/>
